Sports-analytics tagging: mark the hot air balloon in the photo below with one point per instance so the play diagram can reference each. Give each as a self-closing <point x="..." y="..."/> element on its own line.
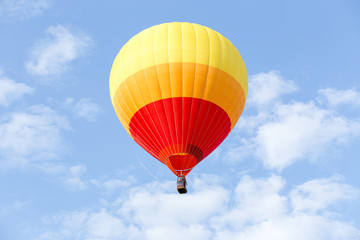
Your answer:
<point x="178" y="89"/>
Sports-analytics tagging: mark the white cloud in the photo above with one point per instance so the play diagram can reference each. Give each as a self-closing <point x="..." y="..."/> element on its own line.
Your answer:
<point x="22" y="9"/>
<point x="84" y="108"/>
<point x="264" y="213"/>
<point x="88" y="225"/>
<point x="74" y="180"/>
<point x="318" y="194"/>
<point x="113" y="184"/>
<point x="31" y="137"/>
<point x="301" y="131"/>
<point x="267" y="88"/>
<point x="256" y="209"/>
<point x="300" y="227"/>
<point x="102" y="225"/>
<point x="256" y="201"/>
<point x="337" y="97"/>
<point x="282" y="134"/>
<point x="52" y="56"/>
<point x="270" y="205"/>
<point x="11" y="91"/>
<point x="163" y="205"/>
<point x="17" y="205"/>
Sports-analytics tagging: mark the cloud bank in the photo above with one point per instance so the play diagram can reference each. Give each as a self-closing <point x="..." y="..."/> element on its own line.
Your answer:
<point x="280" y="133"/>
<point x="31" y="137"/>
<point x="257" y="208"/>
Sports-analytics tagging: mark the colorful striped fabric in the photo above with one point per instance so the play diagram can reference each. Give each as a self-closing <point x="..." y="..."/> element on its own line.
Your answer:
<point x="178" y="89"/>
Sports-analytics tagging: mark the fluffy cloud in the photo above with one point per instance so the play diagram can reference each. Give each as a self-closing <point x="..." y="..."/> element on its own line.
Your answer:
<point x="337" y="97"/>
<point x="15" y="206"/>
<point x="301" y="131"/>
<point x="84" y="108"/>
<point x="30" y="137"/>
<point x="51" y="56"/>
<point x="88" y="225"/>
<point x="73" y="180"/>
<point x="266" y="88"/>
<point x="257" y="209"/>
<point x="11" y="91"/>
<point x="280" y="134"/>
<point x="33" y="139"/>
<point x="113" y="184"/>
<point x="319" y="194"/>
<point x="21" y="9"/>
<point x="262" y="212"/>
<point x="299" y="227"/>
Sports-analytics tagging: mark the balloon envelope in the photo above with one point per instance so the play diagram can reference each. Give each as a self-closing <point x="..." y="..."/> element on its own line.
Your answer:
<point x="178" y="89"/>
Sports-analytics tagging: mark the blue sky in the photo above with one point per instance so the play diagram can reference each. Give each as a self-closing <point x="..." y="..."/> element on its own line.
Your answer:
<point x="289" y="170"/>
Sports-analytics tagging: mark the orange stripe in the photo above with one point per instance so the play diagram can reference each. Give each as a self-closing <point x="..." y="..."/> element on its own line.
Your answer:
<point x="179" y="80"/>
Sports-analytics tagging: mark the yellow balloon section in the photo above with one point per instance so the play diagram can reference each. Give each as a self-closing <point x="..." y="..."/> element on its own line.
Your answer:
<point x="178" y="89"/>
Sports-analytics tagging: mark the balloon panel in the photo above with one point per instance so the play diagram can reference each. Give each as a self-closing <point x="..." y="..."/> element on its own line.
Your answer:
<point x="166" y="128"/>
